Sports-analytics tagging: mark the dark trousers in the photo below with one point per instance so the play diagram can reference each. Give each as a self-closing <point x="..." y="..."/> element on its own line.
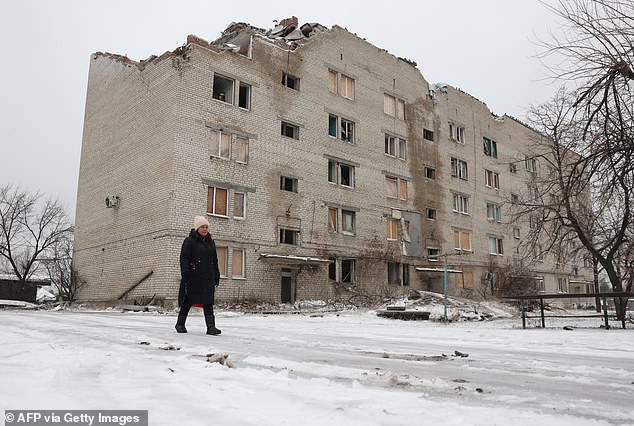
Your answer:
<point x="208" y="310"/>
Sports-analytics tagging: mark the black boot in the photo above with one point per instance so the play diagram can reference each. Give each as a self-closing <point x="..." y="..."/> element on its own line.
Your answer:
<point x="210" y="320"/>
<point x="180" y="322"/>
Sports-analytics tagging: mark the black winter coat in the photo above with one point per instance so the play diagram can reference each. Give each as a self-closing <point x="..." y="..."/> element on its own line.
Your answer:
<point x="199" y="269"/>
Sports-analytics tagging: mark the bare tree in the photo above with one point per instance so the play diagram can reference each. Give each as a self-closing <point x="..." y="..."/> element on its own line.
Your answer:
<point x="60" y="268"/>
<point x="29" y="228"/>
<point x="588" y="137"/>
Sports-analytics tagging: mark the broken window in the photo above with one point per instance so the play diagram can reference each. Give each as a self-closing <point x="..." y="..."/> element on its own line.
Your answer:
<point x="239" y="202"/>
<point x="238" y="264"/>
<point x="460" y="203"/>
<point x="494" y="212"/>
<point x="290" y="81"/>
<point x="340" y="173"/>
<point x="430" y="172"/>
<point x="223" y="89"/>
<point x="531" y="164"/>
<point x="288" y="184"/>
<point x="491" y="179"/>
<point x="347" y="221"/>
<point x="220" y="144"/>
<point x="433" y="254"/>
<point x="333" y="223"/>
<point x="222" y="260"/>
<point x="464" y="280"/>
<point x="405" y="274"/>
<point x="456" y="133"/>
<point x="290" y="130"/>
<point x="348" y="270"/>
<point x="490" y="147"/>
<point x="393" y="273"/>
<point x="462" y="240"/>
<point x="430" y="213"/>
<point x="402" y="149"/>
<point x="332" y="269"/>
<point x="217" y="201"/>
<point x="390" y="145"/>
<point x="513" y="168"/>
<point x="289" y="236"/>
<point x="392" y="228"/>
<point x="347" y="131"/>
<point x="244" y="96"/>
<point x="241" y="150"/>
<point x="496" y="246"/>
<point x="428" y="135"/>
<point x="459" y="169"/>
<point x="332" y="125"/>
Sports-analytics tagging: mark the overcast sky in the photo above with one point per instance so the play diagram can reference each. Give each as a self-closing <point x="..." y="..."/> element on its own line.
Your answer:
<point x="486" y="48"/>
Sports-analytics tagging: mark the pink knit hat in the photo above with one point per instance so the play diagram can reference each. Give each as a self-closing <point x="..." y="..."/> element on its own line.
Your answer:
<point x="200" y="221"/>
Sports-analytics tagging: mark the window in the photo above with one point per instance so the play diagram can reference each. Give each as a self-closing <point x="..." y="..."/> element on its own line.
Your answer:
<point x="290" y="81"/>
<point x="494" y="212"/>
<point x="430" y="172"/>
<point x="433" y="254"/>
<point x="220" y="144"/>
<point x="347" y="221"/>
<point x="217" y="201"/>
<point x="562" y="285"/>
<point x="406" y="236"/>
<point x="347" y="270"/>
<point x="288" y="184"/>
<point x="289" y="236"/>
<point x="395" y="147"/>
<point x="516" y="233"/>
<point x="460" y="203"/>
<point x="393" y="106"/>
<point x="539" y="284"/>
<point x="333" y="220"/>
<point x="405" y="274"/>
<point x="241" y="150"/>
<point x="491" y="179"/>
<point x="462" y="240"/>
<point x="550" y="170"/>
<point x="239" y="202"/>
<point x="332" y="269"/>
<point x="340" y="83"/>
<point x="515" y="198"/>
<point x="430" y="213"/>
<point x="531" y="164"/>
<point x="341" y="173"/>
<point x="513" y="168"/>
<point x="332" y="125"/>
<point x="223" y="89"/>
<point x="393" y="273"/>
<point x="244" y="96"/>
<point x="464" y="280"/>
<point x="402" y="189"/>
<point x="347" y="131"/>
<point x="392" y="228"/>
<point x="391" y="186"/>
<point x="490" y="147"/>
<point x="428" y="135"/>
<point x="222" y="260"/>
<point x="238" y="264"/>
<point x="347" y="87"/>
<point x="290" y="130"/>
<point x="459" y="169"/>
<point x="456" y="133"/>
<point x="496" y="246"/>
<point x="533" y="193"/>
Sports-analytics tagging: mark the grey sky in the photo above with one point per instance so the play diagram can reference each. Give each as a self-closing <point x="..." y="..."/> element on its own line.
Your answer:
<point x="484" y="47"/>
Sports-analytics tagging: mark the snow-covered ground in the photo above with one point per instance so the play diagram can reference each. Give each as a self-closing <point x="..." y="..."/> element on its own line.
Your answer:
<point x="351" y="368"/>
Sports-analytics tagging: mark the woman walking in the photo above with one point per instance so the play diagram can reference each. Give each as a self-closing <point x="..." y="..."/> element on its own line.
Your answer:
<point x="199" y="275"/>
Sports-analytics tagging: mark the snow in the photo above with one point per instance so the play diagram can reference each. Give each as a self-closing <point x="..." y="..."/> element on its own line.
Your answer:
<point x="347" y="368"/>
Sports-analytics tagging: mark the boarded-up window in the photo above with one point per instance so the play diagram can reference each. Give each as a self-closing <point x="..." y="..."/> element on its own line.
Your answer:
<point x="400" y="109"/>
<point x="332" y="81"/>
<point x="332" y="219"/>
<point x="402" y="189"/>
<point x="462" y="240"/>
<point x="220" y="144"/>
<point x="238" y="264"/>
<point x="238" y="204"/>
<point x="347" y="87"/>
<point x="464" y="280"/>
<point x="391" y="186"/>
<point x="217" y="202"/>
<point x="222" y="260"/>
<point x="388" y="104"/>
<point x="392" y="228"/>
<point x="241" y="150"/>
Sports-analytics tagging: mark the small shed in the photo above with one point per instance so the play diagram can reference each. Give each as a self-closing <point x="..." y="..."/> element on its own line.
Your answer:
<point x="12" y="289"/>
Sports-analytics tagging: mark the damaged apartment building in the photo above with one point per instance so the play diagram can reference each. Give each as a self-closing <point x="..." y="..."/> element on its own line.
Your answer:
<point x="327" y="167"/>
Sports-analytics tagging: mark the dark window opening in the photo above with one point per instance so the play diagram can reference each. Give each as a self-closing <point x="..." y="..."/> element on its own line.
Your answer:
<point x="347" y="270"/>
<point x="332" y="126"/>
<point x="430" y="173"/>
<point x="347" y="175"/>
<point x="244" y="96"/>
<point x="289" y="236"/>
<point x="393" y="273"/>
<point x="431" y="213"/>
<point x="223" y="89"/>
<point x="288" y="184"/>
<point x="405" y="274"/>
<point x="290" y="81"/>
<point x="428" y="135"/>
<point x="332" y="269"/>
<point x="290" y="130"/>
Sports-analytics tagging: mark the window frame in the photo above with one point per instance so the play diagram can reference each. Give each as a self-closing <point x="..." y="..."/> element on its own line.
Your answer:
<point x="294" y="184"/>
<point x="222" y="139"/>
<point x="335" y="168"/>
<point x="460" y="203"/>
<point x="212" y="200"/>
<point x="291" y="126"/>
<point x="244" y="204"/>
<point x="247" y="99"/>
<point x="456" y="133"/>
<point x="347" y="130"/>
<point x="243" y="263"/>
<point x="496" y="246"/>
<point x="491" y="179"/>
<point x="391" y="229"/>
<point x="459" y="168"/>
<point x="293" y="233"/>
<point x="215" y="94"/>
<point x="494" y="212"/>
<point x="222" y="266"/>
<point x="490" y="147"/>
<point x="286" y="77"/>
<point x="461" y="233"/>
